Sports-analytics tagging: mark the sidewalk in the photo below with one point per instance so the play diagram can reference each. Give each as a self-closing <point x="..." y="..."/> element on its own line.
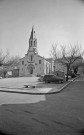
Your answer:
<point x="37" y="89"/>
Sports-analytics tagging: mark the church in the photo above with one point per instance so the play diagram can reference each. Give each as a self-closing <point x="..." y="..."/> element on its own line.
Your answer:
<point x="33" y="63"/>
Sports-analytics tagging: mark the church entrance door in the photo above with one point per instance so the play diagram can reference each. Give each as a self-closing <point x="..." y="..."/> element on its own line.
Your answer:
<point x="30" y="68"/>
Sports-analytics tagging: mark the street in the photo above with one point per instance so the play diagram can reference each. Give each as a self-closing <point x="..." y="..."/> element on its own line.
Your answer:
<point x="54" y="114"/>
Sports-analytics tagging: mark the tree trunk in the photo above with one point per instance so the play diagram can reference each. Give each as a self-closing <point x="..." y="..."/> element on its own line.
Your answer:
<point x="67" y="73"/>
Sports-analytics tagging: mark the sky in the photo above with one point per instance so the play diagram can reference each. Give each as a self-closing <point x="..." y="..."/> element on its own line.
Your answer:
<point x="55" y="21"/>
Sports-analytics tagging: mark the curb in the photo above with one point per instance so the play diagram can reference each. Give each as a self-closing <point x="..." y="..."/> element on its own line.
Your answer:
<point x="65" y="85"/>
<point x="31" y="93"/>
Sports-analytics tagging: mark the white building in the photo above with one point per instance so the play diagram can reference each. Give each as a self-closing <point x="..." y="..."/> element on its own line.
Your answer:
<point x="33" y="63"/>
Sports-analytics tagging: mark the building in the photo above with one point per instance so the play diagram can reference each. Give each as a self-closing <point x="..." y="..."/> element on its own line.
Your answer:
<point x="78" y="65"/>
<point x="33" y="63"/>
<point x="59" y="66"/>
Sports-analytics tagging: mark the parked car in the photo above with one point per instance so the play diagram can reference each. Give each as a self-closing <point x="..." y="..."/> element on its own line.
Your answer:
<point x="41" y="78"/>
<point x="52" y="78"/>
<point x="60" y="73"/>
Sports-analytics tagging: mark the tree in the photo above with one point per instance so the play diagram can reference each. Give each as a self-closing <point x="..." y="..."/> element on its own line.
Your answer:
<point x="3" y="57"/>
<point x="13" y="61"/>
<point x="68" y="55"/>
<point x="3" y="60"/>
<point x="53" y="51"/>
<point x="7" y="62"/>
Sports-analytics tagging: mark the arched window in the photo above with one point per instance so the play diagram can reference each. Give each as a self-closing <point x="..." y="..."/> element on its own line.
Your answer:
<point x="31" y="57"/>
<point x="34" y="43"/>
<point x="39" y="61"/>
<point x="22" y="62"/>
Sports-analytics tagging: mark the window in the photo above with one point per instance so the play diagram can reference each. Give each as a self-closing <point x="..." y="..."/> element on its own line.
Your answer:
<point x="39" y="61"/>
<point x="34" y="43"/>
<point x="31" y="57"/>
<point x="22" y="62"/>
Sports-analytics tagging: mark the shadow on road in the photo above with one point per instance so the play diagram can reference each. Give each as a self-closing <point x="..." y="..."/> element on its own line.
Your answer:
<point x="60" y="114"/>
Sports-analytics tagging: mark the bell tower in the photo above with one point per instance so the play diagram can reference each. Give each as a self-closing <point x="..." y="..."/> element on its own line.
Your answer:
<point x="33" y="42"/>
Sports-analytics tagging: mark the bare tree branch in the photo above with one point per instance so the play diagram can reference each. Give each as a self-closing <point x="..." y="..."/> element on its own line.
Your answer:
<point x="53" y="51"/>
<point x="3" y="58"/>
<point x="69" y="54"/>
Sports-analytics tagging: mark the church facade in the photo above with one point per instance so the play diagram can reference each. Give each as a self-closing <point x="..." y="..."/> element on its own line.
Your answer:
<point x="33" y="63"/>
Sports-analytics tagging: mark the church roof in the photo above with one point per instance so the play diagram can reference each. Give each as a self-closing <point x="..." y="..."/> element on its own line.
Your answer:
<point x="41" y="56"/>
<point x="49" y="59"/>
<point x="22" y="58"/>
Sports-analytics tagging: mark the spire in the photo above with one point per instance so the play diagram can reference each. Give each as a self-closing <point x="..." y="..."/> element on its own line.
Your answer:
<point x="32" y="36"/>
<point x="32" y="41"/>
<point x="33" y="27"/>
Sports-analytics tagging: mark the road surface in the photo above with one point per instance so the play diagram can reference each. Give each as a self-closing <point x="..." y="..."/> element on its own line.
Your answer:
<point x="57" y="114"/>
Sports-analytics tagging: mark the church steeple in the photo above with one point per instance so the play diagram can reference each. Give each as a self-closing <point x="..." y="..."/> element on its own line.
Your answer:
<point x="32" y="36"/>
<point x="33" y="42"/>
